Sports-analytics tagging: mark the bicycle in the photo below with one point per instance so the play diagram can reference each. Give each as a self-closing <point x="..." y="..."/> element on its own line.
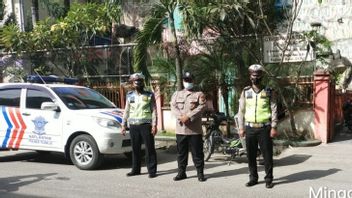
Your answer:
<point x="215" y="140"/>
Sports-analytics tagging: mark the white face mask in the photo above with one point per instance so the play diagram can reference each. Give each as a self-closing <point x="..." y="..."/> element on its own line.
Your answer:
<point x="187" y="85"/>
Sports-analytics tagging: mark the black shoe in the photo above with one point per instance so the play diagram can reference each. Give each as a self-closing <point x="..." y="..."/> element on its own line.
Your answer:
<point x="132" y="174"/>
<point x="269" y="184"/>
<point x="251" y="183"/>
<point x="201" y="177"/>
<point x="180" y="176"/>
<point x="152" y="175"/>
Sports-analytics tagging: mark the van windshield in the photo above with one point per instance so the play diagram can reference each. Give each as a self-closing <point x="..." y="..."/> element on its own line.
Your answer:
<point x="82" y="98"/>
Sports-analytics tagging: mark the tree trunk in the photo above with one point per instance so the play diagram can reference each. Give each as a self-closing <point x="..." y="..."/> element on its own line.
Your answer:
<point x="35" y="12"/>
<point x="67" y="5"/>
<point x="178" y="55"/>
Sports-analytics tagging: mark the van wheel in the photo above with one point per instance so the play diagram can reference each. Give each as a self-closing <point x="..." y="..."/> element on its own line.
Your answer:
<point x="84" y="153"/>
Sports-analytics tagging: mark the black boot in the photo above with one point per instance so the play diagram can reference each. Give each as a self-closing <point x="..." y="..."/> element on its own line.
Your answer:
<point x="180" y="176"/>
<point x="200" y="175"/>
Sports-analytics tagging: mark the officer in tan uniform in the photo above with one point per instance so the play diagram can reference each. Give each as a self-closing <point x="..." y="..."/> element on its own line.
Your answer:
<point x="187" y="106"/>
<point x="141" y="115"/>
<point x="257" y="119"/>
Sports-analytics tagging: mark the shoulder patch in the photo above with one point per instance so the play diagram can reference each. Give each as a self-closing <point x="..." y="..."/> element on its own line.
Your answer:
<point x="248" y="93"/>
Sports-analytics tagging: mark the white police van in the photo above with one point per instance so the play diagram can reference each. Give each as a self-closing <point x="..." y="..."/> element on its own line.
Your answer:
<point x="75" y="120"/>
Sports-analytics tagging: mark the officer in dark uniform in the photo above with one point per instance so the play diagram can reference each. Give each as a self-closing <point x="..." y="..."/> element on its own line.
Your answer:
<point x="257" y="118"/>
<point x="187" y="106"/>
<point x="141" y="115"/>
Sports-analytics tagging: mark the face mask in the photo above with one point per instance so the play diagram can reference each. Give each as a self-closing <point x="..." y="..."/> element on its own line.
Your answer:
<point x="187" y="85"/>
<point x="256" y="81"/>
<point x="139" y="84"/>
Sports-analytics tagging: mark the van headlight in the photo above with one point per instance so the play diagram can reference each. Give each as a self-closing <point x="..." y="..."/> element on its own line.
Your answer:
<point x="108" y="123"/>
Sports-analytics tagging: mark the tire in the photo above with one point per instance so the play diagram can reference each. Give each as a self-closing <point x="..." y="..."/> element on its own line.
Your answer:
<point x="84" y="153"/>
<point x="208" y="147"/>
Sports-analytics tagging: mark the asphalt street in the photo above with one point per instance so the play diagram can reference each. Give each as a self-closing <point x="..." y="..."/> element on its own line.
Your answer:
<point x="300" y="172"/>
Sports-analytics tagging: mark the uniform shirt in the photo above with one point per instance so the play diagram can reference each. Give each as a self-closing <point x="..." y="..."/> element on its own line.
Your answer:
<point x="192" y="104"/>
<point x="242" y="108"/>
<point x="138" y="99"/>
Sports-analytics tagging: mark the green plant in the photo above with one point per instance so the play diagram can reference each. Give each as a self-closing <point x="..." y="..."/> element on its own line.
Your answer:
<point x="73" y="32"/>
<point x="167" y="134"/>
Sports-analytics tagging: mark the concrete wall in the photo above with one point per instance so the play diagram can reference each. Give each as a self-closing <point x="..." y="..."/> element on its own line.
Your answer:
<point x="304" y="123"/>
<point x="169" y="120"/>
<point x="304" y="120"/>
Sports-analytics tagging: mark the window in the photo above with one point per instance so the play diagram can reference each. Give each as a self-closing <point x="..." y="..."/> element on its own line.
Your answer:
<point x="82" y="98"/>
<point x="10" y="97"/>
<point x="35" y="98"/>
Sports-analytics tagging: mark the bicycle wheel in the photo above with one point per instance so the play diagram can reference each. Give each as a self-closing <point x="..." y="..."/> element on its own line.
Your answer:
<point x="208" y="147"/>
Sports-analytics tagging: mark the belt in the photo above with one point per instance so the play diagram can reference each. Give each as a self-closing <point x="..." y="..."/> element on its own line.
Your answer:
<point x="139" y="121"/>
<point x="257" y="124"/>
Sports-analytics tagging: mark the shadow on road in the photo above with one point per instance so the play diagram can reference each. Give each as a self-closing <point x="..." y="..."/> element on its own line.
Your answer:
<point x="306" y="175"/>
<point x="343" y="135"/>
<point x="18" y="156"/>
<point x="291" y="160"/>
<point x="286" y="161"/>
<point x="11" y="184"/>
<point x="164" y="155"/>
<point x="15" y="195"/>
<point x="32" y="156"/>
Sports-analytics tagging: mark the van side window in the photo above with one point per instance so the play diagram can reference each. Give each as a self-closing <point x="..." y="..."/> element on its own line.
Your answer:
<point x="35" y="98"/>
<point x="10" y="97"/>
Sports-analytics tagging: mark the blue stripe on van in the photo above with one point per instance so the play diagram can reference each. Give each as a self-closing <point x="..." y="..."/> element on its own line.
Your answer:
<point x="118" y="118"/>
<point x="9" y="127"/>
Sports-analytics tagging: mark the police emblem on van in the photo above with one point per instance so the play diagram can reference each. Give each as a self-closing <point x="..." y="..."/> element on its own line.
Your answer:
<point x="39" y="124"/>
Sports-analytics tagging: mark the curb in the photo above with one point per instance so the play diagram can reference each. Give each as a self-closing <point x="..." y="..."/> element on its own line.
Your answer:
<point x="164" y="138"/>
<point x="305" y="143"/>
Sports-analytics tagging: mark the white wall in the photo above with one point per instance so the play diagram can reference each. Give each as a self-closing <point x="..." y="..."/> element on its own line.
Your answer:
<point x="328" y="14"/>
<point x="169" y="121"/>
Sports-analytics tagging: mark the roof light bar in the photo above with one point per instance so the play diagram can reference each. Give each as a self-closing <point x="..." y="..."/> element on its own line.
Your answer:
<point x="50" y="79"/>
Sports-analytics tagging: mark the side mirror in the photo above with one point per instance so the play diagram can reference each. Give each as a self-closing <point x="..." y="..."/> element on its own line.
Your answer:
<point x="50" y="106"/>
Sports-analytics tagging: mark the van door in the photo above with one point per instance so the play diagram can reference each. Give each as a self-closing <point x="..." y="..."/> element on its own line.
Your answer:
<point x="11" y="122"/>
<point x="44" y="127"/>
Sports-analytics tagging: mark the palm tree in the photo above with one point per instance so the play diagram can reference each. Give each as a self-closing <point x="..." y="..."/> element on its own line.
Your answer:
<point x="152" y="34"/>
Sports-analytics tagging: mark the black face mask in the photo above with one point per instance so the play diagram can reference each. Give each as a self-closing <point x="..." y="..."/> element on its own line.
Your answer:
<point x="139" y="85"/>
<point x="256" y="81"/>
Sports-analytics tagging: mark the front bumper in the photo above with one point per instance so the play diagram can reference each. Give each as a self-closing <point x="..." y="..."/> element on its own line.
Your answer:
<point x="114" y="143"/>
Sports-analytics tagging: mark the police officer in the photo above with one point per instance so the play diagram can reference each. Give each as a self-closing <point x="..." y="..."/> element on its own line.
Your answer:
<point x="187" y="106"/>
<point x="257" y="118"/>
<point x="141" y="115"/>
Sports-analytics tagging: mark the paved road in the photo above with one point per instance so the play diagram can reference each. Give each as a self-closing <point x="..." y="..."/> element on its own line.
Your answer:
<point x="299" y="172"/>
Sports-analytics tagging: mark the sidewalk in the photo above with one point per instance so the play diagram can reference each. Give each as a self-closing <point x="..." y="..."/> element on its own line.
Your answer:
<point x="319" y="171"/>
<point x="323" y="171"/>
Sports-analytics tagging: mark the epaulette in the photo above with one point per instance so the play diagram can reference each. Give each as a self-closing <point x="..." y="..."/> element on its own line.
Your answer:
<point x="246" y="88"/>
